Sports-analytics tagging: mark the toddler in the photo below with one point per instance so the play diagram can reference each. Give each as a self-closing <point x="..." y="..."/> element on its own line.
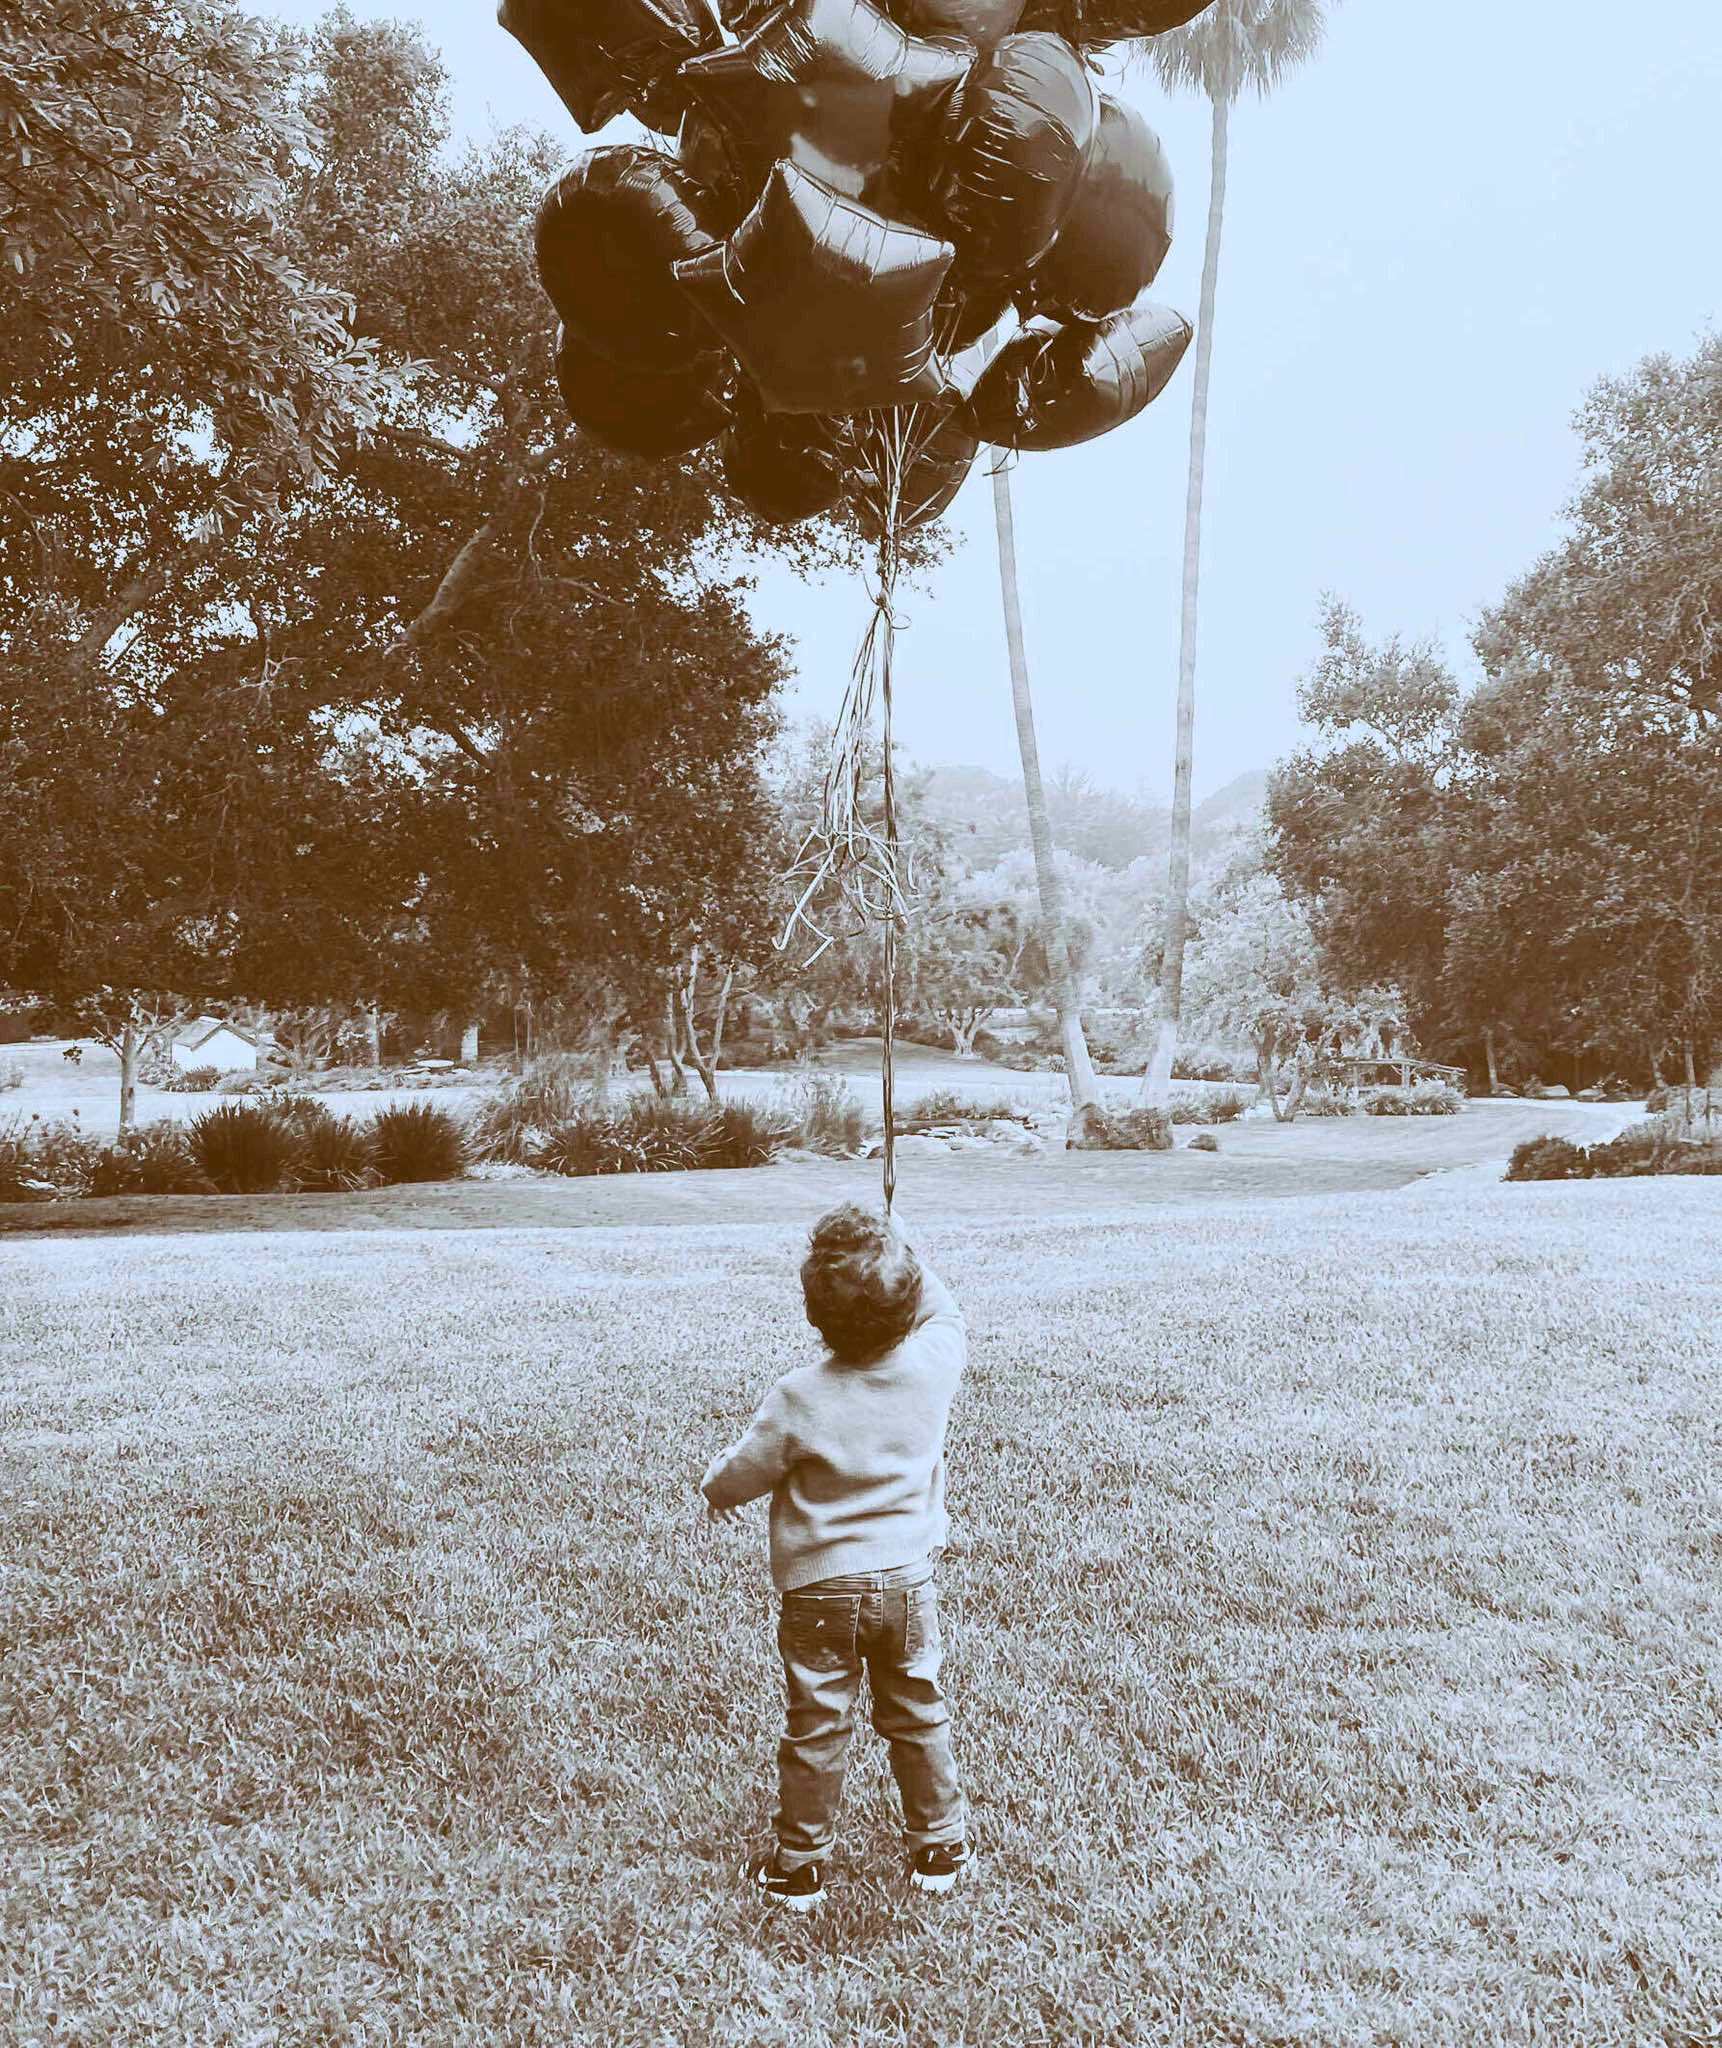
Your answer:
<point x="851" y="1450"/>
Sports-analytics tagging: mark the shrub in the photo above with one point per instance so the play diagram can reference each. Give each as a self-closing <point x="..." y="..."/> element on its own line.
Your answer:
<point x="1637" y="1151"/>
<point x="417" y="1141"/>
<point x="946" y="1106"/>
<point x="552" y="1090"/>
<point x="11" y="1075"/>
<point x="191" y="1080"/>
<point x="1426" y="1098"/>
<point x="149" y="1159"/>
<point x="1137" y="1130"/>
<point x="828" y="1116"/>
<point x="743" y="1134"/>
<point x="59" y="1154"/>
<point x="1705" y="1105"/>
<point x="647" y="1135"/>
<point x="653" y="1135"/>
<point x="245" y="1149"/>
<point x="1320" y="1102"/>
<point x="1213" y="1063"/>
<point x="1548" y="1159"/>
<point x="337" y="1156"/>
<point x="1210" y="1105"/>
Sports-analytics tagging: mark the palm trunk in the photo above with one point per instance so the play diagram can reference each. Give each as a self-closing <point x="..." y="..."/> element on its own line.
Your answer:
<point x="1157" y="1082"/>
<point x="1077" y="1066"/>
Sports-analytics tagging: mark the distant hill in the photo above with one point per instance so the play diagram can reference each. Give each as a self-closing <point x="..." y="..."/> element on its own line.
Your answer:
<point x="987" y="816"/>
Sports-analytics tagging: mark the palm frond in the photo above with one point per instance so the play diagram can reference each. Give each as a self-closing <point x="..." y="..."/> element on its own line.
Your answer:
<point x="1239" y="43"/>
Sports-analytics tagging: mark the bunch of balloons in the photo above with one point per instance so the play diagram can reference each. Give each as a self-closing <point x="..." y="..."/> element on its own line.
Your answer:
<point x="882" y="235"/>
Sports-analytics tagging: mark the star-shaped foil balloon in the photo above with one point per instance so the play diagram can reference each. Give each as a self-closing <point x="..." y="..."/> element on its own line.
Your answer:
<point x="604" y="55"/>
<point x="834" y="86"/>
<point x="828" y="305"/>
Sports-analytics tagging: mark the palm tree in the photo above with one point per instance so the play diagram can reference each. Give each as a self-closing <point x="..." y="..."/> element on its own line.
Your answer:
<point x="1236" y="43"/>
<point x="1077" y="1066"/>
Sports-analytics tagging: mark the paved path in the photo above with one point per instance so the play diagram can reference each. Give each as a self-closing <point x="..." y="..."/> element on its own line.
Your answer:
<point x="1256" y="1161"/>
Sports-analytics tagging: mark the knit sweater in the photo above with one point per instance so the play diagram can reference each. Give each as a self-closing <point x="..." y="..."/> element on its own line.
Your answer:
<point x="853" y="1456"/>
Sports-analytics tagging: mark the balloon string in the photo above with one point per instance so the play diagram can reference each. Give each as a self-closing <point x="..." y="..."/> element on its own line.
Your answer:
<point x="888" y="542"/>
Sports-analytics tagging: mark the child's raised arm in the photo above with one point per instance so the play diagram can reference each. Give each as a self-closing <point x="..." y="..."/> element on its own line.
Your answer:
<point x="936" y="1298"/>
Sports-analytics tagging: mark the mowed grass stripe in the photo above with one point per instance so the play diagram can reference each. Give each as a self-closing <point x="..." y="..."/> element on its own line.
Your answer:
<point x="1334" y="1626"/>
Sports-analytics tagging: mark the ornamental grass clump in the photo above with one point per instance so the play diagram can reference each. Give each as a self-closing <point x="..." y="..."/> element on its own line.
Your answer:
<point x="244" y="1149"/>
<point x="511" y="1126"/>
<point x="657" y="1134"/>
<point x="418" y="1141"/>
<point x="338" y="1157"/>
<point x="1212" y="1105"/>
<point x="946" y="1106"/>
<point x="1425" y="1098"/>
<point x="743" y="1134"/>
<point x="828" y="1116"/>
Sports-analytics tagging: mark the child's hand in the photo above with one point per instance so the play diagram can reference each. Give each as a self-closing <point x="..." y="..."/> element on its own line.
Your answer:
<point x="727" y="1515"/>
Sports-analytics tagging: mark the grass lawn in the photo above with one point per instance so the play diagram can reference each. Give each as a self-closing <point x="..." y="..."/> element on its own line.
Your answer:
<point x="1334" y="1632"/>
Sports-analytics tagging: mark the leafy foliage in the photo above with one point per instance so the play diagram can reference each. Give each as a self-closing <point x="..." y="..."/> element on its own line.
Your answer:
<point x="150" y="1159"/>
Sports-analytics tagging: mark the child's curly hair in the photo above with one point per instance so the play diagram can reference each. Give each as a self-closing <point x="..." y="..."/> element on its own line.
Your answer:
<point x="862" y="1283"/>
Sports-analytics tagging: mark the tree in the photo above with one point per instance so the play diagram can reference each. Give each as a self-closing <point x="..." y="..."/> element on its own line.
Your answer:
<point x="1369" y="824"/>
<point x="475" y="710"/>
<point x="166" y="367"/>
<point x="1257" y="976"/>
<point x="1079" y="1070"/>
<point x="1234" y="44"/>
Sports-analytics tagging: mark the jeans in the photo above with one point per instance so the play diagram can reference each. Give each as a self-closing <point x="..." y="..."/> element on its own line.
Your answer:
<point x="888" y="1623"/>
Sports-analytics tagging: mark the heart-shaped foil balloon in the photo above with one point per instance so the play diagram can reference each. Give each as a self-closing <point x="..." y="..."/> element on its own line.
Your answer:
<point x="1119" y="227"/>
<point x="609" y="232"/>
<point x="1053" y="386"/>
<point x="639" y="412"/>
<point x="1012" y="155"/>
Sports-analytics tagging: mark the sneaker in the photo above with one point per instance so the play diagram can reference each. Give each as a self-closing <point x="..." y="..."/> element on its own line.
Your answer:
<point x="800" y="1890"/>
<point x="937" y="1868"/>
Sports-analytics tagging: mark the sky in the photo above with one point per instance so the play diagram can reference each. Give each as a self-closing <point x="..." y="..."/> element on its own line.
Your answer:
<point x="1437" y="237"/>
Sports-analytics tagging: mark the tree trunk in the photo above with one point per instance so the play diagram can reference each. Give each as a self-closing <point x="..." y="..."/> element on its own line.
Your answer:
<point x="1691" y="1063"/>
<point x="1157" y="1082"/>
<point x="1078" y="1068"/>
<point x="374" y="1035"/>
<point x="128" y="1049"/>
<point x="1494" y="1068"/>
<point x="469" y="1046"/>
<point x="1266" y="1080"/>
<point x="1300" y="1082"/>
<point x="705" y="1058"/>
<point x="673" y="1048"/>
